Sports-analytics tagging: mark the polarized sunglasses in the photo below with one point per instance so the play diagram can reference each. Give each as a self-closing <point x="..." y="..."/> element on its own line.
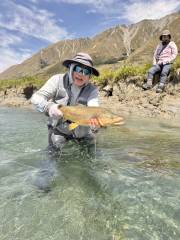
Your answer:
<point x="84" y="71"/>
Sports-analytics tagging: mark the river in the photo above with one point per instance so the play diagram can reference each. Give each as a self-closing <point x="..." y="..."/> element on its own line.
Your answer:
<point x="128" y="189"/>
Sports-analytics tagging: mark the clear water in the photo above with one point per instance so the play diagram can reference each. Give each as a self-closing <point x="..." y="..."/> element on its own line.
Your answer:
<point x="129" y="190"/>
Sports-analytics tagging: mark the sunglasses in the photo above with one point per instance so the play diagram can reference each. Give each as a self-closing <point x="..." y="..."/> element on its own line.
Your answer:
<point x="84" y="71"/>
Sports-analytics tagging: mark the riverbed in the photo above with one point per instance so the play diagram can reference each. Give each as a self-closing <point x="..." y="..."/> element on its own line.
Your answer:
<point x="126" y="187"/>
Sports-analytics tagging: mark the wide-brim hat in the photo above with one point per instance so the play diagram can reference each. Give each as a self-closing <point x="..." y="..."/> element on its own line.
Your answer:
<point x="84" y="59"/>
<point x="165" y="33"/>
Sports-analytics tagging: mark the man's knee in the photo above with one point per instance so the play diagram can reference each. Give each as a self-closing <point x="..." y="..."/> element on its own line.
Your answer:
<point x="165" y="71"/>
<point x="58" y="141"/>
<point x="164" y="74"/>
<point x="153" y="70"/>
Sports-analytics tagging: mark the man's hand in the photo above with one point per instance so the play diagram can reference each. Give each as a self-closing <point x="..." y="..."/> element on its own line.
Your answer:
<point x="54" y="111"/>
<point x="95" y="123"/>
<point x="161" y="64"/>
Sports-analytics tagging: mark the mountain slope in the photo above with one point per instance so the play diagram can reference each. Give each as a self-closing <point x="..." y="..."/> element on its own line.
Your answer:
<point x="135" y="43"/>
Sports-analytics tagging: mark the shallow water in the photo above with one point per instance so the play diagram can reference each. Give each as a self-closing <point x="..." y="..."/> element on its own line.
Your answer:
<point x="128" y="190"/>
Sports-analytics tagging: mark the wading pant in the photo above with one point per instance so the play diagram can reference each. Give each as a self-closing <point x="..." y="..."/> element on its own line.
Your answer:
<point x="58" y="139"/>
<point x="44" y="177"/>
<point x="164" y="72"/>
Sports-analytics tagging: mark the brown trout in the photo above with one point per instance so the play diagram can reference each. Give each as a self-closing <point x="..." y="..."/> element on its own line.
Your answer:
<point x="81" y="115"/>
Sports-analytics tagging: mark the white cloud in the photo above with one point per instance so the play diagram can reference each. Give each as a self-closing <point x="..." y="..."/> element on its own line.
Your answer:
<point x="17" y="21"/>
<point x="106" y="7"/>
<point x="131" y="10"/>
<point x="139" y="10"/>
<point x="94" y="6"/>
<point x="11" y="57"/>
<point x="34" y="22"/>
<point x="7" y="39"/>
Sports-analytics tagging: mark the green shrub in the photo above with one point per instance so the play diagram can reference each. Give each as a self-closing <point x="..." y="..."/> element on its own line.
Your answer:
<point x="109" y="76"/>
<point x="176" y="65"/>
<point x="142" y="70"/>
<point x="21" y="82"/>
<point x="124" y="72"/>
<point x="104" y="78"/>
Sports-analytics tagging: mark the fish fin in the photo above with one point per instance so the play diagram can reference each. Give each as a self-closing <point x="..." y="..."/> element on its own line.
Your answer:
<point x="73" y="126"/>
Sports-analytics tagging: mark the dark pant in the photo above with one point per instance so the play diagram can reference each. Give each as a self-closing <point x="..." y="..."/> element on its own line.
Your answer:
<point x="57" y="139"/>
<point x="164" y="71"/>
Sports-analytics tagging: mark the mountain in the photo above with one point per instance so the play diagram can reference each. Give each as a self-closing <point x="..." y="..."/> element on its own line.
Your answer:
<point x="134" y="43"/>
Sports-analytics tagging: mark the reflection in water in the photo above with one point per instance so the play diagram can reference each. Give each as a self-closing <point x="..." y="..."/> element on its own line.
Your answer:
<point x="128" y="190"/>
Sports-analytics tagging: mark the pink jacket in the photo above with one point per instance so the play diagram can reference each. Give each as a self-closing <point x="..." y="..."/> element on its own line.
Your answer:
<point x="167" y="55"/>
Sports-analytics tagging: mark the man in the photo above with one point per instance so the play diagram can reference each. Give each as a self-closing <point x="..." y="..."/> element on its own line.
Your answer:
<point x="71" y="88"/>
<point x="164" y="56"/>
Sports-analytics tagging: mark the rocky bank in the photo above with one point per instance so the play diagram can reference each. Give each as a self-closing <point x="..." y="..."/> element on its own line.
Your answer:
<point x="124" y="97"/>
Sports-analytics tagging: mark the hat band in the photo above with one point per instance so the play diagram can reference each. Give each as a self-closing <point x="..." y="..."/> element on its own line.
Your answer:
<point x="87" y="60"/>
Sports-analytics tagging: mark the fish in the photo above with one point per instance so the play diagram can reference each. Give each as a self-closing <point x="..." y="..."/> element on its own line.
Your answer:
<point x="80" y="115"/>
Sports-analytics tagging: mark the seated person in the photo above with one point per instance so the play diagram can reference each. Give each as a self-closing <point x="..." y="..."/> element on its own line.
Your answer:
<point x="164" y="56"/>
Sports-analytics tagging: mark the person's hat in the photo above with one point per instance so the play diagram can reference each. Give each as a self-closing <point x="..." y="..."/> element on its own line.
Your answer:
<point x="84" y="59"/>
<point x="165" y="33"/>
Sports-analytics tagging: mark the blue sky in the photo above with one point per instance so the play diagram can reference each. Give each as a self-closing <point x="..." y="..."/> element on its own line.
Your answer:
<point x="27" y="26"/>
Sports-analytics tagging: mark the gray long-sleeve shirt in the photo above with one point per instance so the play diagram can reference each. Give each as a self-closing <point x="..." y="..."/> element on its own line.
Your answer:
<point x="53" y="91"/>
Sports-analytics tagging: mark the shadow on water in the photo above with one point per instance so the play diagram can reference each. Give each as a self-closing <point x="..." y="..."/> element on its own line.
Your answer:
<point x="54" y="161"/>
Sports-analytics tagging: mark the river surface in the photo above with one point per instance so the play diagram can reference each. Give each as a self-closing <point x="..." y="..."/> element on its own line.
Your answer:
<point x="128" y="189"/>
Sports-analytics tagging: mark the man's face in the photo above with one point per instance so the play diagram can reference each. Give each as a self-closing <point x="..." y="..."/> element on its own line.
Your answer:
<point x="165" y="38"/>
<point x="81" y="75"/>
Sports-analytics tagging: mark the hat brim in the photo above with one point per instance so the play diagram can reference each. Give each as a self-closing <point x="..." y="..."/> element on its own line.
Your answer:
<point x="67" y="63"/>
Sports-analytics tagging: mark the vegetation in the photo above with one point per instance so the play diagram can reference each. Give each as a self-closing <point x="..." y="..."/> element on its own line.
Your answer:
<point x="21" y="82"/>
<point x="108" y="76"/>
<point x="121" y="74"/>
<point x="176" y="65"/>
